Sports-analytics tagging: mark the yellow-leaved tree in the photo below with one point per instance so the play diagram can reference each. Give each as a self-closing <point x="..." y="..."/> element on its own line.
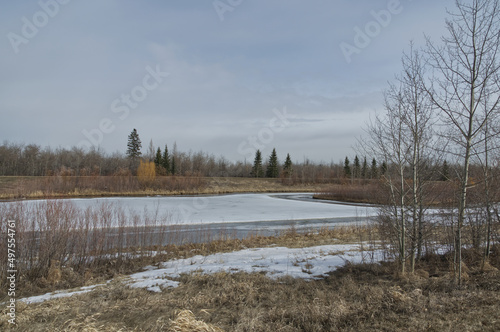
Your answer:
<point x="146" y="173"/>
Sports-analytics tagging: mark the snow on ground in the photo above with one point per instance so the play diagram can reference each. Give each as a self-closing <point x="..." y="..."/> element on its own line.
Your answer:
<point x="58" y="294"/>
<point x="306" y="263"/>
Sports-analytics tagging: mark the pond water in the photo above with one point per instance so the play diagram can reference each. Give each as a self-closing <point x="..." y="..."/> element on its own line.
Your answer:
<point x="236" y="214"/>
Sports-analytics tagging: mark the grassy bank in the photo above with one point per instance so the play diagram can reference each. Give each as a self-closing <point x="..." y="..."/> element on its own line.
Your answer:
<point x="53" y="267"/>
<point x="99" y="186"/>
<point x="364" y="297"/>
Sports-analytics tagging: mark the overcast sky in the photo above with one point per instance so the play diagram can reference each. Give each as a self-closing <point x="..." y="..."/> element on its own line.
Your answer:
<point x="225" y="77"/>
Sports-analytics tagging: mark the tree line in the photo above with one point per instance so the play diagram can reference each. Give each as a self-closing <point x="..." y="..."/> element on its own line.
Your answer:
<point x="34" y="160"/>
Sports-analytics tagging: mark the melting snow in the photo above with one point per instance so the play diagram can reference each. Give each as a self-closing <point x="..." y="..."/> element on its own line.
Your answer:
<point x="306" y="263"/>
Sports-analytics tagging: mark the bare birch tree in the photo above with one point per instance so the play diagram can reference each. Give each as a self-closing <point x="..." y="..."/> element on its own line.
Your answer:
<point x="386" y="141"/>
<point x="465" y="73"/>
<point x="418" y="123"/>
<point x="401" y="138"/>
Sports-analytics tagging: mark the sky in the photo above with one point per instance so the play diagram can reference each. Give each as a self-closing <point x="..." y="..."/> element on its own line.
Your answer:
<point x="225" y="77"/>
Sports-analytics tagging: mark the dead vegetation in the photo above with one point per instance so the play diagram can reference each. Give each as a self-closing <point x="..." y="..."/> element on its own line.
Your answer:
<point x="365" y="297"/>
<point x="54" y="267"/>
<point x="128" y="185"/>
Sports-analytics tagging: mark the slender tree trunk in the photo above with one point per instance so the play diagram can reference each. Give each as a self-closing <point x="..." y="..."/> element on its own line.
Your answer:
<point x="415" y="160"/>
<point x="487" y="198"/>
<point x="462" y="206"/>
<point x="402" y="235"/>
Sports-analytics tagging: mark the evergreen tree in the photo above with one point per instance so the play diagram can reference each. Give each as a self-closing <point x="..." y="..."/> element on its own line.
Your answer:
<point x="134" y="145"/>
<point x="158" y="158"/>
<point x="287" y="167"/>
<point x="134" y="150"/>
<point x="356" y="167"/>
<point x="257" y="170"/>
<point x="383" y="168"/>
<point x="364" y="169"/>
<point x="272" y="170"/>
<point x="347" y="168"/>
<point x="165" y="160"/>
<point x="374" y="170"/>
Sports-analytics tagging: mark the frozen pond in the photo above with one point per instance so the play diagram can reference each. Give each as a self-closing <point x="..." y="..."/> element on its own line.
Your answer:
<point x="234" y="208"/>
<point x="237" y="214"/>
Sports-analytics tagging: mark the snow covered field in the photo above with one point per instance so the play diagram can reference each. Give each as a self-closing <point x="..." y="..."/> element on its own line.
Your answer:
<point x="306" y="263"/>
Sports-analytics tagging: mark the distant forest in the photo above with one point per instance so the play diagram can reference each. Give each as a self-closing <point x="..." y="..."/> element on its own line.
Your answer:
<point x="34" y="160"/>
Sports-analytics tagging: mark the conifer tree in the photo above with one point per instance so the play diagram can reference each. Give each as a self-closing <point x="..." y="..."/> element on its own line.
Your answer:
<point x="158" y="158"/>
<point x="272" y="170"/>
<point x="347" y="168"/>
<point x="134" y="149"/>
<point x="374" y="169"/>
<point x="383" y="168"/>
<point x="165" y="160"/>
<point x="287" y="167"/>
<point x="134" y="145"/>
<point x="356" y="168"/>
<point x="257" y="170"/>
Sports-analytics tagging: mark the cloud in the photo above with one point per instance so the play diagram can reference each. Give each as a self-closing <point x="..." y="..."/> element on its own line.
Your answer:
<point x="225" y="78"/>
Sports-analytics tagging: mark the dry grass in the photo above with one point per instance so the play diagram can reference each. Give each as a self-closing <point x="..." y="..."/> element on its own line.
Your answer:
<point x="367" y="191"/>
<point x="187" y="322"/>
<point x="354" y="298"/>
<point x="97" y="186"/>
<point x="49" y="274"/>
<point x="365" y="297"/>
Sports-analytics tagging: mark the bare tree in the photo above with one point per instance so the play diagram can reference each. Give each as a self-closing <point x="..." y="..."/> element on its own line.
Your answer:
<point x="386" y="141"/>
<point x="466" y="72"/>
<point x="418" y="122"/>
<point x="401" y="138"/>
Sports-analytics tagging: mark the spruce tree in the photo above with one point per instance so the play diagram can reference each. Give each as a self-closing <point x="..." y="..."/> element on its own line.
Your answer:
<point x="134" y="145"/>
<point x="374" y="170"/>
<point x="287" y="167"/>
<point x="134" y="150"/>
<point x="272" y="170"/>
<point x="257" y="170"/>
<point x="158" y="158"/>
<point x="347" y="168"/>
<point x="165" y="160"/>
<point x="356" y="167"/>
<point x="383" y="168"/>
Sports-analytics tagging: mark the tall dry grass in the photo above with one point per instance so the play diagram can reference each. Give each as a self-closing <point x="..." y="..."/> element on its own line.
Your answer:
<point x="360" y="191"/>
<point x="123" y="184"/>
<point x="54" y="235"/>
<point x="364" y="297"/>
